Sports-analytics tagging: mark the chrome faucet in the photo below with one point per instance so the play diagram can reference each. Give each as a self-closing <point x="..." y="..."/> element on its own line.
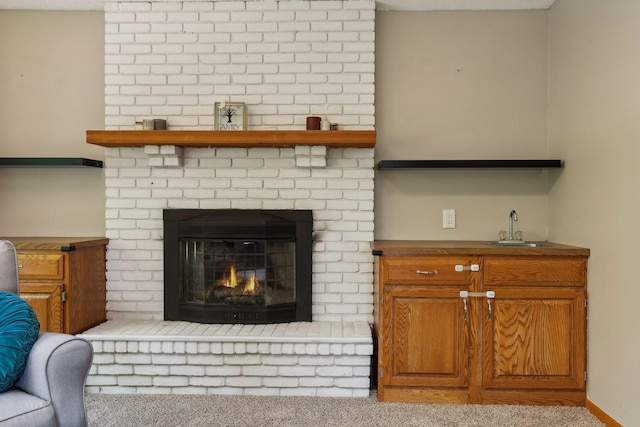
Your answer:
<point x="513" y="216"/>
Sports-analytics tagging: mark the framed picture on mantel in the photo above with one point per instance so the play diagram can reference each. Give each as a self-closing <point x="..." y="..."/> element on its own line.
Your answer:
<point x="230" y="115"/>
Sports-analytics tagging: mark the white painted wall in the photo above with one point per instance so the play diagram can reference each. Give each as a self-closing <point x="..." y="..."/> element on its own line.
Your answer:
<point x="594" y="101"/>
<point x="461" y="85"/>
<point x="51" y="92"/>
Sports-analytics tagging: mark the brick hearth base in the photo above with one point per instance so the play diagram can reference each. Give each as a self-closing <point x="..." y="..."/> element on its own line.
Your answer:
<point x="287" y="359"/>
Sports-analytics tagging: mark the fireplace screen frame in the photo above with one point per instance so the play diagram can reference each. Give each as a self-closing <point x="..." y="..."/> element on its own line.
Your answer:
<point x="237" y="224"/>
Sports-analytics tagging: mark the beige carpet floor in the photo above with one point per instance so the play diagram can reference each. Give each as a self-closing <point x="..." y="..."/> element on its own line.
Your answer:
<point x="105" y="410"/>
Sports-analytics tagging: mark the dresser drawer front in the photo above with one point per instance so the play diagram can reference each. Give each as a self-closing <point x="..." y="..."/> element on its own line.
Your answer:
<point x="541" y="271"/>
<point x="435" y="270"/>
<point x="41" y="266"/>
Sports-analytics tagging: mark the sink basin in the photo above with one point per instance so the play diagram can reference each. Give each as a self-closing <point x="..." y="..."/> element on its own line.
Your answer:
<point x="517" y="244"/>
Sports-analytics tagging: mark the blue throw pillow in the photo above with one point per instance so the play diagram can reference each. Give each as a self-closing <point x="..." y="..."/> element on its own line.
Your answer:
<point x="19" y="329"/>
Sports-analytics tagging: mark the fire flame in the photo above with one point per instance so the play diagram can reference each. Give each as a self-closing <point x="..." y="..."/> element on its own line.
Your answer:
<point x="249" y="286"/>
<point x="234" y="280"/>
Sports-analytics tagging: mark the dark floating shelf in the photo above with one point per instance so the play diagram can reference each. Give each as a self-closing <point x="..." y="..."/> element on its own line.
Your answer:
<point x="49" y="162"/>
<point x="469" y="164"/>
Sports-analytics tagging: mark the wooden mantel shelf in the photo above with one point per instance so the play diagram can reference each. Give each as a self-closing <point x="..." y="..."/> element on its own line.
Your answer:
<point x="240" y="139"/>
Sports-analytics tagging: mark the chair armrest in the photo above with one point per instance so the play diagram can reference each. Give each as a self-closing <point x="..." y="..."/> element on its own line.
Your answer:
<point x="57" y="371"/>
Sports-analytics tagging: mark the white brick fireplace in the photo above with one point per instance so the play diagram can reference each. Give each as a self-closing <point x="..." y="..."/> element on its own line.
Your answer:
<point x="286" y="60"/>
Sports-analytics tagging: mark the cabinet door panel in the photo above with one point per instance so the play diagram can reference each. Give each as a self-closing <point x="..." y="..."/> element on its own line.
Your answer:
<point x="46" y="301"/>
<point x="428" y="337"/>
<point x="534" y="339"/>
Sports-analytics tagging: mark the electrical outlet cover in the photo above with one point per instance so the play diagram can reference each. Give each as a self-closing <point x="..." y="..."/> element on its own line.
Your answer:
<point x="449" y="218"/>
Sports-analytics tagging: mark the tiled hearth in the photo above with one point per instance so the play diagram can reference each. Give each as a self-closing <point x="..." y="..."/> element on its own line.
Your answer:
<point x="286" y="60"/>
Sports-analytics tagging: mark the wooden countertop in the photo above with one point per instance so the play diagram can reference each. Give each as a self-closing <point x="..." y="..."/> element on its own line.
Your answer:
<point x="460" y="247"/>
<point x="55" y="243"/>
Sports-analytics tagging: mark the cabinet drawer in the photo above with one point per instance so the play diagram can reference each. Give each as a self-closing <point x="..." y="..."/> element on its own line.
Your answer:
<point x="436" y="270"/>
<point x="549" y="271"/>
<point x="41" y="266"/>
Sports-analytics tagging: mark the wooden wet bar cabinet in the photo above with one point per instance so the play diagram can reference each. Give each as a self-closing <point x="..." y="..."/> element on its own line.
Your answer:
<point x="64" y="280"/>
<point x="468" y="322"/>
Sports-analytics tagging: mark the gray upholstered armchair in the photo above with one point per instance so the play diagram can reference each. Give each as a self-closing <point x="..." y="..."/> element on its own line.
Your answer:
<point x="51" y="390"/>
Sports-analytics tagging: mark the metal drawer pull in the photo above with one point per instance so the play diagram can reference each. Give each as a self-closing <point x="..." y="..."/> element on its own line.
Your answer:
<point x="473" y="267"/>
<point x="20" y="267"/>
<point x="428" y="273"/>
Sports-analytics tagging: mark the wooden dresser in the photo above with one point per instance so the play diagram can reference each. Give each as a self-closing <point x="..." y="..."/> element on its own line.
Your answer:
<point x="465" y="322"/>
<point x="64" y="280"/>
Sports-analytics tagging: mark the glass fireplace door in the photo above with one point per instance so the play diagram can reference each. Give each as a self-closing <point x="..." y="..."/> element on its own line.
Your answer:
<point x="237" y="272"/>
<point x="237" y="266"/>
